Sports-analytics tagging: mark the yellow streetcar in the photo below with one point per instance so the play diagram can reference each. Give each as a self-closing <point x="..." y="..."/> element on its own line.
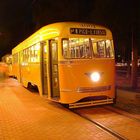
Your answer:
<point x="7" y="59"/>
<point x="70" y="62"/>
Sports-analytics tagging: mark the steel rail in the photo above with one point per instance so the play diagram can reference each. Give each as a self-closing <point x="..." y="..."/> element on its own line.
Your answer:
<point x="106" y="129"/>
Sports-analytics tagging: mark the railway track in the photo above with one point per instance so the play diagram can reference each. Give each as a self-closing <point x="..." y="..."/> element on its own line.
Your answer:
<point x="103" y="127"/>
<point x="121" y="112"/>
<point x="121" y="125"/>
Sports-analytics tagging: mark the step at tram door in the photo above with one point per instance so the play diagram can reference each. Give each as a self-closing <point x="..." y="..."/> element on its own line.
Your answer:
<point x="53" y="59"/>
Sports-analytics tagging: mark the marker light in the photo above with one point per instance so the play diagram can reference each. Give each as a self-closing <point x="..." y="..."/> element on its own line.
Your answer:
<point x="95" y="76"/>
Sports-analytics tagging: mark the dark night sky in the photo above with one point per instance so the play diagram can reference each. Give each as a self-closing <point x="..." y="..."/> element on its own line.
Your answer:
<point x="20" y="18"/>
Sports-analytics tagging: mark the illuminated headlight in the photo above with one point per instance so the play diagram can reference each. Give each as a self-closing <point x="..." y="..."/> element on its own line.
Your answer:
<point x="95" y="76"/>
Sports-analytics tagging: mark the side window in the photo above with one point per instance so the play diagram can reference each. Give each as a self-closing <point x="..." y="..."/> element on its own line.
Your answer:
<point x="21" y="57"/>
<point x="15" y="58"/>
<point x="37" y="52"/>
<point x="34" y="52"/>
<point x="26" y="55"/>
<point x="65" y="43"/>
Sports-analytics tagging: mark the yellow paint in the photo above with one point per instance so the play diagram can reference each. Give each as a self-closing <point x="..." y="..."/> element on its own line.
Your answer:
<point x="71" y="75"/>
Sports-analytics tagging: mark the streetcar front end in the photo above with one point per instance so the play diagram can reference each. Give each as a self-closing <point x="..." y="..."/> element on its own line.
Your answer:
<point x="87" y="72"/>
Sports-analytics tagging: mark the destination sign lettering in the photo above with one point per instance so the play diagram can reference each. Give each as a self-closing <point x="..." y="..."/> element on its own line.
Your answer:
<point x="84" y="31"/>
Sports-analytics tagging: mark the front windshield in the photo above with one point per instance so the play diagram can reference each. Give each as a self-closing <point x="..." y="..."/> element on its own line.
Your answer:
<point x="102" y="48"/>
<point x="87" y="48"/>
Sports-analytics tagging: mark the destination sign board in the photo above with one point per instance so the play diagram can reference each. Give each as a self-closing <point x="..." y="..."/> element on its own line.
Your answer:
<point x="85" y="31"/>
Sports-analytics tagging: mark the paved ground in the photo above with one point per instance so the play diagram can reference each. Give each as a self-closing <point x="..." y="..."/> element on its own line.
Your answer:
<point x="27" y="116"/>
<point x="127" y="98"/>
<point x="129" y="101"/>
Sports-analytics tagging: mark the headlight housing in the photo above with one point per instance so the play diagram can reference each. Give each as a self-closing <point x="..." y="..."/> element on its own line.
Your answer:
<point x="95" y="76"/>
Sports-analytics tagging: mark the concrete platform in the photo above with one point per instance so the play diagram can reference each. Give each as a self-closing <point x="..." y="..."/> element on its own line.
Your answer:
<point x="27" y="116"/>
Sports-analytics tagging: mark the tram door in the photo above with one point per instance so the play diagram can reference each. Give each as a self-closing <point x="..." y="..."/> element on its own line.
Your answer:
<point x="53" y="48"/>
<point x="44" y="68"/>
